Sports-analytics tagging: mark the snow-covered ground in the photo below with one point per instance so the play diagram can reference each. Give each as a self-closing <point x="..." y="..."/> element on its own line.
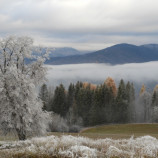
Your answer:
<point x="70" y="146"/>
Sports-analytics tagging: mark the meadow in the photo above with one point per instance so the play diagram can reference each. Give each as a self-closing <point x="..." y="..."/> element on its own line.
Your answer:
<point x="111" y="141"/>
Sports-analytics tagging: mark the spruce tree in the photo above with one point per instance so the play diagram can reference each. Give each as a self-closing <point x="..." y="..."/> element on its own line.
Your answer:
<point x="59" y="105"/>
<point x="121" y="106"/>
<point x="155" y="97"/>
<point x="70" y="95"/>
<point x="43" y="94"/>
<point x="84" y="101"/>
<point x="130" y="94"/>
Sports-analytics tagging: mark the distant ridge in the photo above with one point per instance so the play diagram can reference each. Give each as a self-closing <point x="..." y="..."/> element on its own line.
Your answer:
<point x="117" y="54"/>
<point x="63" y="51"/>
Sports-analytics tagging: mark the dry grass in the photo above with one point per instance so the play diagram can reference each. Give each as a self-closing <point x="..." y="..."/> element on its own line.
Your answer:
<point x="65" y="145"/>
<point x="70" y="146"/>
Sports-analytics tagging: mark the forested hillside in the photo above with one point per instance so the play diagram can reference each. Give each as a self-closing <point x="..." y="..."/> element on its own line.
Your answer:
<point x="86" y="104"/>
<point x="117" y="54"/>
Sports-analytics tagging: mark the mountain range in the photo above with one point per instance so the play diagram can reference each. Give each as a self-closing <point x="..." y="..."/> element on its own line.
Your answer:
<point x="117" y="54"/>
<point x="64" y="51"/>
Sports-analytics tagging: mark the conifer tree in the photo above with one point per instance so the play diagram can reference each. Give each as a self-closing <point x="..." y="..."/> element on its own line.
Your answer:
<point x="83" y="101"/>
<point x="130" y="94"/>
<point x="72" y="115"/>
<point x="43" y="94"/>
<point x="59" y="105"/>
<point x="70" y="95"/>
<point x="121" y="107"/>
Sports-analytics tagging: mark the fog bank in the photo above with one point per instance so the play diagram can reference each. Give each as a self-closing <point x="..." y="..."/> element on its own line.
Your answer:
<point x="138" y="73"/>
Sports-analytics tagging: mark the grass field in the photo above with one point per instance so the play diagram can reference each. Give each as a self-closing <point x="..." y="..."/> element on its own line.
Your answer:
<point x="121" y="131"/>
<point x="105" y="131"/>
<point x="118" y="131"/>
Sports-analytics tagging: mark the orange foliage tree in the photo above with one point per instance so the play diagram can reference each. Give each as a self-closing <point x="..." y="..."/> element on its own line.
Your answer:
<point x="90" y="85"/>
<point x="110" y="83"/>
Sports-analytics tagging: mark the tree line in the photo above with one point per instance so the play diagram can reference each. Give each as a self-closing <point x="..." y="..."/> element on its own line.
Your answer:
<point x="86" y="104"/>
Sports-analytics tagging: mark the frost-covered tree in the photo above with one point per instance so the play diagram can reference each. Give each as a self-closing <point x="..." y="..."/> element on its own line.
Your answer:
<point x="144" y="101"/>
<point x="154" y="105"/>
<point x="20" y="107"/>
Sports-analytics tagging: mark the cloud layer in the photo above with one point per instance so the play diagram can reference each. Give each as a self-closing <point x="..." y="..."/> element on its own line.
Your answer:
<point x="90" y="24"/>
<point x="138" y="73"/>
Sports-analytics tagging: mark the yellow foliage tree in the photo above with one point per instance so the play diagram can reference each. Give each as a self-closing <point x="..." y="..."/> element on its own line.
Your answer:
<point x="156" y="88"/>
<point x="142" y="90"/>
<point x="110" y="83"/>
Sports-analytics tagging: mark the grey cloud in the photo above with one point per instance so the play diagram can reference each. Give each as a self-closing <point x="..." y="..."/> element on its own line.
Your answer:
<point x="80" y="21"/>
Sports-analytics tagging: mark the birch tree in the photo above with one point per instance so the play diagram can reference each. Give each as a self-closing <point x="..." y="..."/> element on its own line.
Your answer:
<point x="20" y="107"/>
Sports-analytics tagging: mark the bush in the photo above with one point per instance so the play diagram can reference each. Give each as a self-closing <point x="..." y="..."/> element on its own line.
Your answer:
<point x="58" y="124"/>
<point x="74" y="128"/>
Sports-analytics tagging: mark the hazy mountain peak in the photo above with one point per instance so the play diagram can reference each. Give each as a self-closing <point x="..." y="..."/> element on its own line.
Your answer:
<point x="117" y="54"/>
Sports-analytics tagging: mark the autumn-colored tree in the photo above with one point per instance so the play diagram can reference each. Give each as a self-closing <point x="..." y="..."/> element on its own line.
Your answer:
<point x="142" y="90"/>
<point x="89" y="85"/>
<point x="110" y="83"/>
<point x="156" y="88"/>
<point x="155" y="97"/>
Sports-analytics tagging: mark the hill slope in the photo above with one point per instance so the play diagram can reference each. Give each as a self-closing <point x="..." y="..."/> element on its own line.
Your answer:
<point x="117" y="54"/>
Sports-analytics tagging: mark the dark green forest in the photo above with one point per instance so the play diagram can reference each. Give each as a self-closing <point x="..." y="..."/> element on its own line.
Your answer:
<point x="85" y="104"/>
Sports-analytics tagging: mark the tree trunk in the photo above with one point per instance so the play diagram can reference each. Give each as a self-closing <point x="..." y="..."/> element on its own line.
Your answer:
<point x="21" y="134"/>
<point x="22" y="130"/>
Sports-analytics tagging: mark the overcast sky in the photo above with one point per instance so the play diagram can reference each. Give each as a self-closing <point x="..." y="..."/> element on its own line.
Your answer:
<point x="82" y="24"/>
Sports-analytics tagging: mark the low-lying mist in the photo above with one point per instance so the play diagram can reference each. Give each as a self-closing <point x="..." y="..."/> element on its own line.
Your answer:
<point x="138" y="73"/>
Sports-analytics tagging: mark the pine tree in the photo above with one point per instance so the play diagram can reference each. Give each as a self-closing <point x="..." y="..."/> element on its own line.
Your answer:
<point x="155" y="97"/>
<point x="70" y="95"/>
<point x="78" y="86"/>
<point x="93" y="115"/>
<point x="43" y="94"/>
<point x="121" y="107"/>
<point x="59" y="105"/>
<point x="130" y="94"/>
<point x="97" y="111"/>
<point x="84" y="101"/>
<point x="109" y="98"/>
